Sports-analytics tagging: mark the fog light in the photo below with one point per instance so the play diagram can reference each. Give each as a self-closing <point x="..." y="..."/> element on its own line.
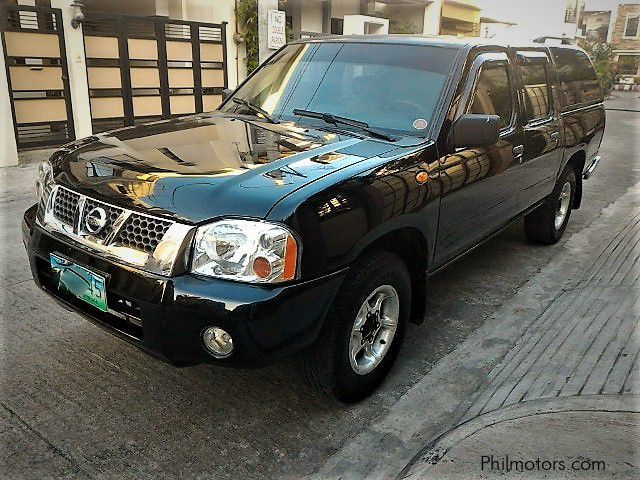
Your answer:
<point x="218" y="342"/>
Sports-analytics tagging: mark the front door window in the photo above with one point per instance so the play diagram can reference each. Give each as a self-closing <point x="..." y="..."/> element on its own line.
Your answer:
<point x="492" y="95"/>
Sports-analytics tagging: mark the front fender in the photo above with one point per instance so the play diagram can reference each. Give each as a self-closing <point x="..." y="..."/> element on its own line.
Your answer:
<point x="338" y="221"/>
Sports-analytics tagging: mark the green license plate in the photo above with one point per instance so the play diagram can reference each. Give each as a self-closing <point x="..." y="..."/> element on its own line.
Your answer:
<point x="79" y="282"/>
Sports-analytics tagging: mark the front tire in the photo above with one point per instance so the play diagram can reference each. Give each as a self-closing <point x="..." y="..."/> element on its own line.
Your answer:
<point x="547" y="223"/>
<point x="363" y="330"/>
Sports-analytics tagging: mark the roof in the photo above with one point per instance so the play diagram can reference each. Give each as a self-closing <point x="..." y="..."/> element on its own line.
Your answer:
<point x="417" y="39"/>
<point x="463" y="4"/>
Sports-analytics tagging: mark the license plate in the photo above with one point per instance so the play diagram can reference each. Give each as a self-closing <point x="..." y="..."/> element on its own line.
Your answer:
<point x="79" y="282"/>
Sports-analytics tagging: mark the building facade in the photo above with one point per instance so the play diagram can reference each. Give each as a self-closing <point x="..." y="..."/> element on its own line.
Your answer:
<point x="595" y="25"/>
<point x="625" y="38"/>
<point x="308" y="18"/>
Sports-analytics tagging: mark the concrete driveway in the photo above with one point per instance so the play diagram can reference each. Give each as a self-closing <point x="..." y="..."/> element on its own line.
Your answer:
<point x="76" y="402"/>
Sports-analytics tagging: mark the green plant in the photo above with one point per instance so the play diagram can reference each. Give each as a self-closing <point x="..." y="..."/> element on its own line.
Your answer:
<point x="404" y="27"/>
<point x="601" y="55"/>
<point x="247" y="14"/>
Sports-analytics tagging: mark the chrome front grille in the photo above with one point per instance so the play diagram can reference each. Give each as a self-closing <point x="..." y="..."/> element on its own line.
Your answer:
<point x="142" y="232"/>
<point x="117" y="233"/>
<point x="42" y="204"/>
<point x="113" y="213"/>
<point x="65" y="206"/>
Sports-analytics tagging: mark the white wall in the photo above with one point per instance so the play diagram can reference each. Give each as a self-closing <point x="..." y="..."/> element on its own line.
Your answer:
<point x="77" y="67"/>
<point x="340" y="8"/>
<point x="431" y="24"/>
<point x="219" y="11"/>
<point x="359" y="24"/>
<point x="311" y="16"/>
<point x="8" y="150"/>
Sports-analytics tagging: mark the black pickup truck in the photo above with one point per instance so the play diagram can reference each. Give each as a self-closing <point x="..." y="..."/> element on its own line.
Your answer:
<point x="306" y="214"/>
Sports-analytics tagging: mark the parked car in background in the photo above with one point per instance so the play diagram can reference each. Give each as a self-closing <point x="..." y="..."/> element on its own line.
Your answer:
<point x="307" y="213"/>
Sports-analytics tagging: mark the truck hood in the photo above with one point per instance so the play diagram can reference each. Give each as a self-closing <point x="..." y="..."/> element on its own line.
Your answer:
<point x="201" y="167"/>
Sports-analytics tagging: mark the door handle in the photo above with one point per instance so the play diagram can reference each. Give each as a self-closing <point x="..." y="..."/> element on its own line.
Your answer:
<point x="518" y="150"/>
<point x="555" y="136"/>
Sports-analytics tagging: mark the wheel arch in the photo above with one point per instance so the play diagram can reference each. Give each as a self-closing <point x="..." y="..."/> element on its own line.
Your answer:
<point x="411" y="245"/>
<point x="577" y="161"/>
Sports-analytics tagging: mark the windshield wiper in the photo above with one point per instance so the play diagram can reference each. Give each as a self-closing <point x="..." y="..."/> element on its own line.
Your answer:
<point x="255" y="109"/>
<point x="335" y="120"/>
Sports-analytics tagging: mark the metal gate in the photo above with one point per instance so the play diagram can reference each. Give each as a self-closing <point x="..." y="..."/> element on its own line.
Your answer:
<point x="36" y="65"/>
<point x="147" y="68"/>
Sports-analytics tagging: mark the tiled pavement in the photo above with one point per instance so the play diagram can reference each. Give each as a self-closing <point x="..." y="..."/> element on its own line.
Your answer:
<point x="587" y="340"/>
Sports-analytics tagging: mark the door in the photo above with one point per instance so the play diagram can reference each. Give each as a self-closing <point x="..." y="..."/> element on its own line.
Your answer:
<point x="481" y="186"/>
<point x="542" y="147"/>
<point x="37" y="75"/>
<point x="142" y="69"/>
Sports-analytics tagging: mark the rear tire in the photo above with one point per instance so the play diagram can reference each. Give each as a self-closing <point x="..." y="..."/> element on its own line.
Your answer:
<point x="331" y="364"/>
<point x="547" y="223"/>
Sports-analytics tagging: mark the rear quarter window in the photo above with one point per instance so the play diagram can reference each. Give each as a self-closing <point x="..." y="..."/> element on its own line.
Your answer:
<point x="579" y="84"/>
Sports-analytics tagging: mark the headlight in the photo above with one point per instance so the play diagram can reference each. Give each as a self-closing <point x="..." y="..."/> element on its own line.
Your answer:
<point x="245" y="250"/>
<point x="44" y="181"/>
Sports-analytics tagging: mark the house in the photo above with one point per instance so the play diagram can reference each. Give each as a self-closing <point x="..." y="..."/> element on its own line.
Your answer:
<point x="625" y="38"/>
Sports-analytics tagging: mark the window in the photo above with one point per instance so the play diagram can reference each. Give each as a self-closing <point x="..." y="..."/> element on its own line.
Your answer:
<point x="579" y="83"/>
<point x="631" y="26"/>
<point x="337" y="26"/>
<point x="536" y="91"/>
<point x="493" y="94"/>
<point x="388" y="86"/>
<point x="628" y="65"/>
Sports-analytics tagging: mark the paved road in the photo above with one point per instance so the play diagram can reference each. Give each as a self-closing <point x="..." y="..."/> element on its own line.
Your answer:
<point x="77" y="403"/>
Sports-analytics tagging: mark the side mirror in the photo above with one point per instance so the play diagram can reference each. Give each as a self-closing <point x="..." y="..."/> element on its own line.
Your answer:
<point x="474" y="130"/>
<point x="226" y="93"/>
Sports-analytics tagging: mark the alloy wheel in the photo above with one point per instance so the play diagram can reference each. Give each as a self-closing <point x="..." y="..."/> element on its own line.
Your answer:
<point x="563" y="205"/>
<point x="373" y="330"/>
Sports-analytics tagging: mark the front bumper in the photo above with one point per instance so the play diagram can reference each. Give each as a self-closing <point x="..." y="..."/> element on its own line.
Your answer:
<point x="166" y="316"/>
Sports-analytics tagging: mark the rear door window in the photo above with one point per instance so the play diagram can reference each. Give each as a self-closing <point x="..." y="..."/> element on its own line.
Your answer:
<point x="492" y="95"/>
<point x="579" y="83"/>
<point x="536" y="92"/>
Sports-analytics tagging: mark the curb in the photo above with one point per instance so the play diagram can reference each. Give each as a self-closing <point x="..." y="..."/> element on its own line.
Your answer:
<point x="437" y="449"/>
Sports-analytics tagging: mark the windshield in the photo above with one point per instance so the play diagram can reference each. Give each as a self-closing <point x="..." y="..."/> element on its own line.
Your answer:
<point x="388" y="86"/>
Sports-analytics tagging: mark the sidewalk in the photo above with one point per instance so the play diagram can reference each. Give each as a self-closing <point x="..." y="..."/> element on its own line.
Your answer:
<point x="619" y="100"/>
<point x="570" y="388"/>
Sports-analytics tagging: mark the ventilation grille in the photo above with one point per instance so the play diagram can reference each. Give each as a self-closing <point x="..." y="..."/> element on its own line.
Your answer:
<point x="65" y="206"/>
<point x="142" y="233"/>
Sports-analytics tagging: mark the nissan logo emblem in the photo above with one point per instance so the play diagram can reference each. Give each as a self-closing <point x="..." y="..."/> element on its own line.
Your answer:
<point x="95" y="220"/>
